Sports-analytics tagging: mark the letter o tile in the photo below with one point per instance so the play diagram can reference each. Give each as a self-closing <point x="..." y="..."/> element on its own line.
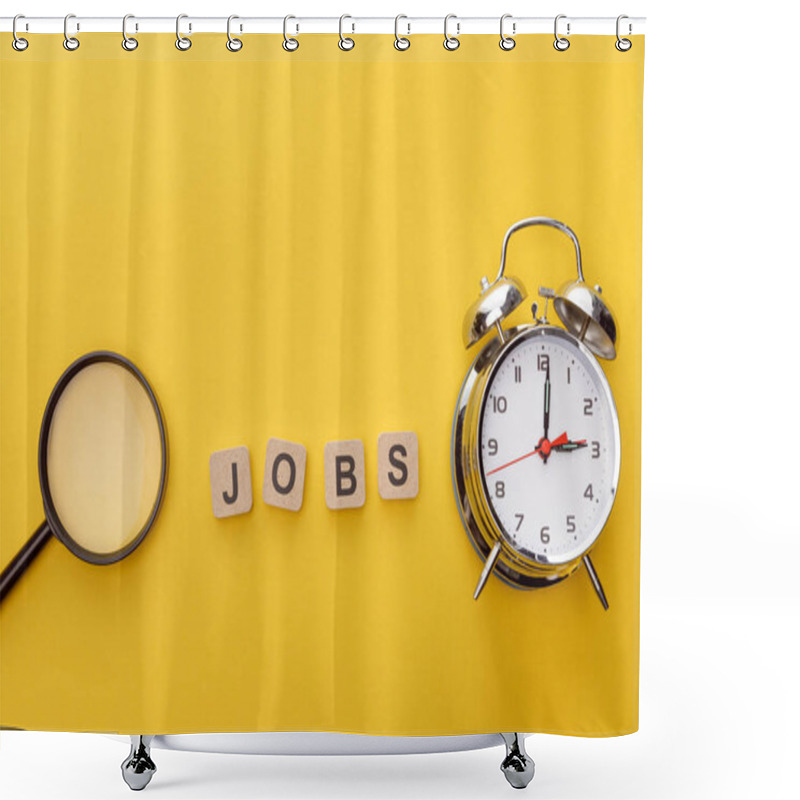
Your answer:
<point x="284" y="474"/>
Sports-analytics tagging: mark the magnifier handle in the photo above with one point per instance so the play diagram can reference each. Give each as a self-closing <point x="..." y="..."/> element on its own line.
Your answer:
<point x="22" y="560"/>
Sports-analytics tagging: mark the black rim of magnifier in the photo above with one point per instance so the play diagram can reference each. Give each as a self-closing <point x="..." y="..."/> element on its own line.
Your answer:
<point x="49" y="508"/>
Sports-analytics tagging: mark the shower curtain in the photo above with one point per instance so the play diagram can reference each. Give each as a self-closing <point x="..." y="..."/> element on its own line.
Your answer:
<point x="286" y="244"/>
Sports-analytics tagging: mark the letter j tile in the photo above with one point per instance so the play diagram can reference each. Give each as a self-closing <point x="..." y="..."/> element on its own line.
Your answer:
<point x="231" y="486"/>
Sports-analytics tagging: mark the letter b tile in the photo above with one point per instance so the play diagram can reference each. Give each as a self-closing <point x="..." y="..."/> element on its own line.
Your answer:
<point x="231" y="487"/>
<point x="344" y="474"/>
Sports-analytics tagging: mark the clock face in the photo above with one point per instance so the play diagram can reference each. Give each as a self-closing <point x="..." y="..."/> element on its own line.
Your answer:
<point x="549" y="446"/>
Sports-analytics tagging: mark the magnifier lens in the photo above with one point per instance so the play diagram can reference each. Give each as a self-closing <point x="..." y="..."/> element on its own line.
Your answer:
<point x="104" y="458"/>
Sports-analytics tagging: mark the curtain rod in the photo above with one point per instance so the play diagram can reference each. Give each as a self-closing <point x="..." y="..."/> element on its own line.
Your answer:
<point x="407" y="25"/>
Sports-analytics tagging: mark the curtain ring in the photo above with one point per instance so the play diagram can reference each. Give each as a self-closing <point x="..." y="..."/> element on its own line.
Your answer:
<point x="233" y="44"/>
<point x="561" y="44"/>
<point x="401" y="42"/>
<point x="345" y="42"/>
<point x="70" y="42"/>
<point x="18" y="43"/>
<point x="451" y="42"/>
<point x="128" y="42"/>
<point x="507" y="42"/>
<point x="623" y="45"/>
<point x="182" y="42"/>
<point x="289" y="44"/>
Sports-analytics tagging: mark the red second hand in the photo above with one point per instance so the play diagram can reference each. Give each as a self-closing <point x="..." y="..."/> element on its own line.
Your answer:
<point x="543" y="447"/>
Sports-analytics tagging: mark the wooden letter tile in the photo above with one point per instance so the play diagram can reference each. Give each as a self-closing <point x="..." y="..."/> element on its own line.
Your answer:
<point x="231" y="487"/>
<point x="284" y="474"/>
<point x="398" y="465"/>
<point x="344" y="474"/>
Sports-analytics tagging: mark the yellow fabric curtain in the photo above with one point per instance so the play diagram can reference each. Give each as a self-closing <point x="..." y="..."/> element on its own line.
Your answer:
<point x="286" y="244"/>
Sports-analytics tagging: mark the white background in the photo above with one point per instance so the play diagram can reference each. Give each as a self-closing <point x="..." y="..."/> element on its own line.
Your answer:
<point x="720" y="532"/>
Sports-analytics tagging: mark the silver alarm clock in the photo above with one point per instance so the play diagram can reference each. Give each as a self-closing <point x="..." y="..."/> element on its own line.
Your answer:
<point x="536" y="438"/>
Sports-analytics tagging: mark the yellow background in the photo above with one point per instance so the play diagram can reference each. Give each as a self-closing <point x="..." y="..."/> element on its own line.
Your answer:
<point x="286" y="244"/>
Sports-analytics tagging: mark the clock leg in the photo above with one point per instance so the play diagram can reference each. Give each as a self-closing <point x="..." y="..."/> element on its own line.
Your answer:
<point x="491" y="560"/>
<point x="517" y="766"/>
<point x="138" y="768"/>
<point x="598" y="587"/>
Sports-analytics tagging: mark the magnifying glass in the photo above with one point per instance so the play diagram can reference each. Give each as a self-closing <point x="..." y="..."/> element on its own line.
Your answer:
<point x="102" y="463"/>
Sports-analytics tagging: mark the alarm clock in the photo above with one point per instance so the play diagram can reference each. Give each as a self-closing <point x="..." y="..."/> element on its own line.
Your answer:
<point x="536" y="440"/>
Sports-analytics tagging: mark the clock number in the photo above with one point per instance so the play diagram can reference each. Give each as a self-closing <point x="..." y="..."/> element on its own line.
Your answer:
<point x="492" y="443"/>
<point x="569" y="375"/>
<point x="499" y="405"/>
<point x="544" y="535"/>
<point x="587" y="406"/>
<point x="519" y="517"/>
<point x="589" y="494"/>
<point x="499" y="489"/>
<point x="570" y="523"/>
<point x="517" y="374"/>
<point x="543" y="362"/>
<point x="595" y="449"/>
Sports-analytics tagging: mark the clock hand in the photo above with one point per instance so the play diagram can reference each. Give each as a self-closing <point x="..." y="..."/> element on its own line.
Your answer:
<point x="515" y="461"/>
<point x="568" y="447"/>
<point x="546" y="447"/>
<point x="547" y="402"/>
<point x="543" y="448"/>
<point x="559" y="441"/>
